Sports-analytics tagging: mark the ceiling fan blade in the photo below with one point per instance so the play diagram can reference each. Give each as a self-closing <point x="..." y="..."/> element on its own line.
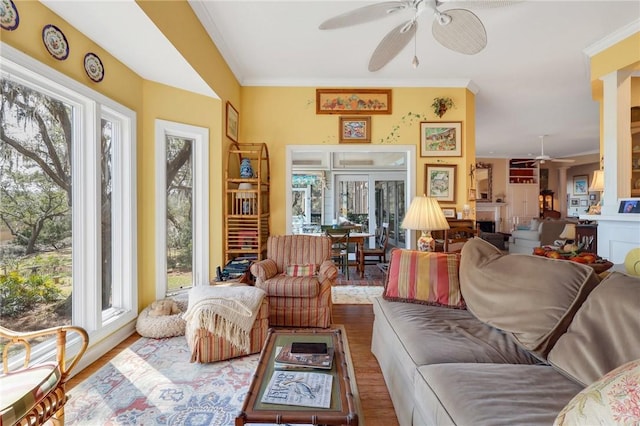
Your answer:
<point x="463" y="33"/>
<point x="479" y="4"/>
<point x="392" y="44"/>
<point x="365" y="14"/>
<point x="562" y="160"/>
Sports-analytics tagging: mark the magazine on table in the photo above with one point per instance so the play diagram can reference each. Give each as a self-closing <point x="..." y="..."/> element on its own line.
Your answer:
<point x="286" y="358"/>
<point x="299" y="388"/>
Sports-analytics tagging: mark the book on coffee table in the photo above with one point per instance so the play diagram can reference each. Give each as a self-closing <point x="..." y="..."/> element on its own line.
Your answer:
<point x="299" y="388"/>
<point x="286" y="358"/>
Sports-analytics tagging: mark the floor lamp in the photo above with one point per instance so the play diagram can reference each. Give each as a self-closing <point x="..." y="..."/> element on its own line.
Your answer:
<point x="425" y="215"/>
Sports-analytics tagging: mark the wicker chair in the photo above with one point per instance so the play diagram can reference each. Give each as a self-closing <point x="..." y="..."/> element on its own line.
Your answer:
<point x="297" y="300"/>
<point x="35" y="393"/>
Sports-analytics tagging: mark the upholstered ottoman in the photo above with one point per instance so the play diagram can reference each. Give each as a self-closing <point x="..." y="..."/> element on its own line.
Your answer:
<point x="207" y="347"/>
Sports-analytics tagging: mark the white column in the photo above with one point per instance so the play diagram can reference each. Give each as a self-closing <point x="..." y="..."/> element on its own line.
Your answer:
<point x="616" y="123"/>
<point x="562" y="190"/>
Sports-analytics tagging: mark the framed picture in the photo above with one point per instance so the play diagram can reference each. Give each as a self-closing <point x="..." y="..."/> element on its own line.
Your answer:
<point x="629" y="206"/>
<point x="574" y="202"/>
<point x="440" y="181"/>
<point x="584" y="202"/>
<point x="232" y="122"/>
<point x="580" y="185"/>
<point x="449" y="212"/>
<point x="473" y="195"/>
<point x="353" y="101"/>
<point x="440" y="139"/>
<point x="592" y="197"/>
<point x="355" y="129"/>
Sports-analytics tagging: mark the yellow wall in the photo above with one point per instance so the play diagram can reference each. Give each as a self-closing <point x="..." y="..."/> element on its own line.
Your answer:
<point x="278" y="116"/>
<point x="281" y="116"/>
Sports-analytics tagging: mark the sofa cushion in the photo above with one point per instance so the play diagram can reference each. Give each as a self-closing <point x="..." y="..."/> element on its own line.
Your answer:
<point x="612" y="400"/>
<point x="604" y="332"/>
<point x="423" y="277"/>
<point x="531" y="297"/>
<point x="23" y="389"/>
<point x="305" y="270"/>
<point x="491" y="394"/>
<point x="426" y="334"/>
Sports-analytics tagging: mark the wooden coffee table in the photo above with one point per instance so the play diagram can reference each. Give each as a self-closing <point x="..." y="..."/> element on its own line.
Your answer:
<point x="342" y="410"/>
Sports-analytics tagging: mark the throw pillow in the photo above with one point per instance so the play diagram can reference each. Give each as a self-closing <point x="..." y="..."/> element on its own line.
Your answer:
<point x="603" y="333"/>
<point x="612" y="400"/>
<point x="532" y="298"/>
<point x="424" y="277"/>
<point x="305" y="270"/>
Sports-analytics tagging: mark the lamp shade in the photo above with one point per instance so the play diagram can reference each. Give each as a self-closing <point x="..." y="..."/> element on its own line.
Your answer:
<point x="425" y="214"/>
<point x="569" y="232"/>
<point x="597" y="181"/>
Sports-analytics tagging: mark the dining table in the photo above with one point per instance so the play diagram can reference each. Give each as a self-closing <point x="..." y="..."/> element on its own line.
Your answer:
<point x="357" y="238"/>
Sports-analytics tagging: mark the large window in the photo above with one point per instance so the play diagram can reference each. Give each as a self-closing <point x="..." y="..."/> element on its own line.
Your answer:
<point x="182" y="206"/>
<point x="67" y="202"/>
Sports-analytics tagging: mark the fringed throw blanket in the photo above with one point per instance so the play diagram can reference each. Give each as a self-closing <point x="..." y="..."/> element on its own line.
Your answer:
<point x="227" y="312"/>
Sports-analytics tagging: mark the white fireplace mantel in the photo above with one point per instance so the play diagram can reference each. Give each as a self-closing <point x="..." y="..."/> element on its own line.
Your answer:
<point x="495" y="209"/>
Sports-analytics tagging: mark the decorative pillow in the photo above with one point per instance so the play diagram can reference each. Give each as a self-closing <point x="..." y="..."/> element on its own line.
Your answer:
<point x="305" y="270"/>
<point x="424" y="277"/>
<point x="532" y="298"/>
<point x="604" y="332"/>
<point x="534" y="225"/>
<point x="612" y="400"/>
<point x="523" y="227"/>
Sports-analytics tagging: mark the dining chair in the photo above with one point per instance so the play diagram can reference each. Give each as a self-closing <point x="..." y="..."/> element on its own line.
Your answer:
<point x="340" y="248"/>
<point x="378" y="254"/>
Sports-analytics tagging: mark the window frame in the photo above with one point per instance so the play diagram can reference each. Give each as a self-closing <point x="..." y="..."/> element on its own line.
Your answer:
<point x="200" y="229"/>
<point x="90" y="107"/>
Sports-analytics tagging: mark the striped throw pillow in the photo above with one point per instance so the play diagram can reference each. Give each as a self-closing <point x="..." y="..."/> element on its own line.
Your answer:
<point x="424" y="277"/>
<point x="301" y="270"/>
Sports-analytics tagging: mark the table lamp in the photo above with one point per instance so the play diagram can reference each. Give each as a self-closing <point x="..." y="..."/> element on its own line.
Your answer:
<point x="597" y="185"/>
<point x="425" y="215"/>
<point x="569" y="233"/>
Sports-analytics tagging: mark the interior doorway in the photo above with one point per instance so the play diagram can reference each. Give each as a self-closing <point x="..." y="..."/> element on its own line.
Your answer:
<point x="362" y="184"/>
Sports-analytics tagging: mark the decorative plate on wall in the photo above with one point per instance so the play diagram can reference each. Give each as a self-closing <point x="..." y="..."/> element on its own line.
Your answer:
<point x="55" y="42"/>
<point x="93" y="67"/>
<point x="9" y="18"/>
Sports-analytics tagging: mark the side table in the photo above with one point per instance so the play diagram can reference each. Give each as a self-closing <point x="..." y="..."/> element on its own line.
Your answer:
<point x="587" y="234"/>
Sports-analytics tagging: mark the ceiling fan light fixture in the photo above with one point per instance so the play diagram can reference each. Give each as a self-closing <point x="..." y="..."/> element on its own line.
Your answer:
<point x="443" y="18"/>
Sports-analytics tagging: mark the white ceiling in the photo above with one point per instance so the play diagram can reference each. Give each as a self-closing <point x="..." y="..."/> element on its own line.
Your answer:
<point x="531" y="79"/>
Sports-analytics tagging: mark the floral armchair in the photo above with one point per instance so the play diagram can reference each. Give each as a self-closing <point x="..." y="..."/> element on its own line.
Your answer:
<point x="297" y="275"/>
<point x="35" y="393"/>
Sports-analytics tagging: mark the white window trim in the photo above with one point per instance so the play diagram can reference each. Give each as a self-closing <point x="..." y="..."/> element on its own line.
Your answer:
<point x="200" y="229"/>
<point x="89" y="103"/>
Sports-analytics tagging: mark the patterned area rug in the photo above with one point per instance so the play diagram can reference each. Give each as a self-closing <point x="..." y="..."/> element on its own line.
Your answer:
<point x="153" y="383"/>
<point x="354" y="294"/>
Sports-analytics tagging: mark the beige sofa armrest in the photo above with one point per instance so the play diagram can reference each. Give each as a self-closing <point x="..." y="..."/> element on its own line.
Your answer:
<point x="264" y="269"/>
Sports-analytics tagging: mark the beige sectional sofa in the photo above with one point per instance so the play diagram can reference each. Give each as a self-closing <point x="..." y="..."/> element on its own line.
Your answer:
<point x="534" y="333"/>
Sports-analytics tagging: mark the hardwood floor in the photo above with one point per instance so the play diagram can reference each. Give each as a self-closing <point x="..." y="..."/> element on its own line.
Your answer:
<point x="374" y="397"/>
<point x="358" y="321"/>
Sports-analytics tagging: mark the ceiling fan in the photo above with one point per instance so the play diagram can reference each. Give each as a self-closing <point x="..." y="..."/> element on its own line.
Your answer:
<point x="457" y="29"/>
<point x="542" y="158"/>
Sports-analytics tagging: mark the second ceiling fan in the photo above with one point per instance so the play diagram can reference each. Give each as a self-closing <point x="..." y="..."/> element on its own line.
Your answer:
<point x="457" y="29"/>
<point x="542" y="158"/>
